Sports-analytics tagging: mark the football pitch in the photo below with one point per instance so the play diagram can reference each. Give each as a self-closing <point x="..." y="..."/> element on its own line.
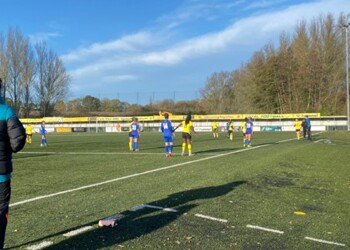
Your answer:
<point x="280" y="194"/>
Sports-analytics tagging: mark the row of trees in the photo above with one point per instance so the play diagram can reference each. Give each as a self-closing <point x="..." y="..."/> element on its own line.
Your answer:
<point x="34" y="77"/>
<point x="305" y="73"/>
<point x="91" y="106"/>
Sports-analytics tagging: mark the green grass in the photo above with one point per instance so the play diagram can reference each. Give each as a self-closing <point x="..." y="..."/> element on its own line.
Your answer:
<point x="262" y="186"/>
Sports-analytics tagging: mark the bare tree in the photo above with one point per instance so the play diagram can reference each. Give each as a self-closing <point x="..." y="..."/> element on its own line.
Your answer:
<point x="16" y="44"/>
<point x="27" y="79"/>
<point x="3" y="65"/>
<point x="217" y="94"/>
<point x="53" y="80"/>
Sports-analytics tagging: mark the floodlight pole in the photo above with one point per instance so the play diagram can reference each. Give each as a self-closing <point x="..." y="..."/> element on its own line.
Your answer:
<point x="346" y="27"/>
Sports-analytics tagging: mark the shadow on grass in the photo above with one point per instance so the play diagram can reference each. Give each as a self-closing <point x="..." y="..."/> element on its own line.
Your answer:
<point x="141" y="222"/>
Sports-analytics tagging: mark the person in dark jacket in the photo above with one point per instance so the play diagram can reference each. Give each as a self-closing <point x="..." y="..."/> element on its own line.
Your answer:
<point x="12" y="140"/>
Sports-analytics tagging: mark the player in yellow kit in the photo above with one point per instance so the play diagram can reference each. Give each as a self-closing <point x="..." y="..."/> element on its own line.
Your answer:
<point x="214" y="126"/>
<point x="297" y="126"/>
<point x="29" y="133"/>
<point x="186" y="135"/>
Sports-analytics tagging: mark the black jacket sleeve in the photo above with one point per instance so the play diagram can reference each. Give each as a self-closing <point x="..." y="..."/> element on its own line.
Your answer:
<point x="16" y="133"/>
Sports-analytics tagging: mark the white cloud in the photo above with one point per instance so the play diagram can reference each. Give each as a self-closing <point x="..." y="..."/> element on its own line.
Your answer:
<point x="119" y="78"/>
<point x="202" y="45"/>
<point x="191" y="48"/>
<point x="268" y="26"/>
<point x="125" y="44"/>
<point x="42" y="37"/>
<point x="262" y="4"/>
<point x="138" y="49"/>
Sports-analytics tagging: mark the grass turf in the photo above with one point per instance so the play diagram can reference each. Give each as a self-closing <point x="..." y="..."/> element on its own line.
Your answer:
<point x="262" y="186"/>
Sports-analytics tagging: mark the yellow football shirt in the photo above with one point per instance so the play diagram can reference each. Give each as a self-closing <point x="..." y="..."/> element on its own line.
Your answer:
<point x="29" y="130"/>
<point x="186" y="127"/>
<point x="297" y="125"/>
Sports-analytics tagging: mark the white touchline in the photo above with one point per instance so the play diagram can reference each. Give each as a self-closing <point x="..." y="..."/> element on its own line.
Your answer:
<point x="325" y="241"/>
<point x="319" y="140"/>
<point x="265" y="229"/>
<point x="115" y="217"/>
<point x="77" y="231"/>
<point x="161" y="208"/>
<point x="139" y="174"/>
<point x="134" y="209"/>
<point x="42" y="245"/>
<point x="210" y="218"/>
<point x="92" y="153"/>
<point x="86" y="153"/>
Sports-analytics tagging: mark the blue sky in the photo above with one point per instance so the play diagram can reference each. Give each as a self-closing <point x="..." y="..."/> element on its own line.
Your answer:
<point x="143" y="50"/>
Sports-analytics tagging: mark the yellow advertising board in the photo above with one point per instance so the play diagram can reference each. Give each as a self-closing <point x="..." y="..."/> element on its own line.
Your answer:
<point x="106" y="119"/>
<point x="171" y="117"/>
<point x="219" y="117"/>
<point x="112" y="119"/>
<point x="63" y="130"/>
<point x="145" y="118"/>
<point x="52" y="119"/>
<point x="254" y="116"/>
<point x="75" y="119"/>
<point x="282" y="116"/>
<point x="31" y="120"/>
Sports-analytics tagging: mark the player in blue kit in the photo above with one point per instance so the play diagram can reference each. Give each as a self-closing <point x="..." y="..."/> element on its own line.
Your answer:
<point x="43" y="134"/>
<point x="248" y="132"/>
<point x="135" y="134"/>
<point x="168" y="132"/>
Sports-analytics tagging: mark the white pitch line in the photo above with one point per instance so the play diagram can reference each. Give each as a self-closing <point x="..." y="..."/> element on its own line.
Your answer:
<point x="42" y="245"/>
<point x="131" y="176"/>
<point x="115" y="217"/>
<point x="319" y="140"/>
<point x="77" y="231"/>
<point x="210" y="218"/>
<point x="265" y="229"/>
<point x="161" y="208"/>
<point x="134" y="209"/>
<point x="325" y="241"/>
<point x="137" y="174"/>
<point x="293" y="139"/>
<point x="45" y="153"/>
<point x="88" y="153"/>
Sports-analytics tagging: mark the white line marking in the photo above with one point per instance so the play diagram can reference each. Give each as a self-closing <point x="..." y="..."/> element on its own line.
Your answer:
<point x="40" y="246"/>
<point x="210" y="218"/>
<point x="265" y="229"/>
<point x="319" y="140"/>
<point x="77" y="231"/>
<point x="293" y="139"/>
<point x="161" y="208"/>
<point x="87" y="153"/>
<point x="114" y="217"/>
<point x="134" y="209"/>
<point x="325" y="241"/>
<point x="139" y="174"/>
<point x="131" y="176"/>
<point x="95" y="153"/>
